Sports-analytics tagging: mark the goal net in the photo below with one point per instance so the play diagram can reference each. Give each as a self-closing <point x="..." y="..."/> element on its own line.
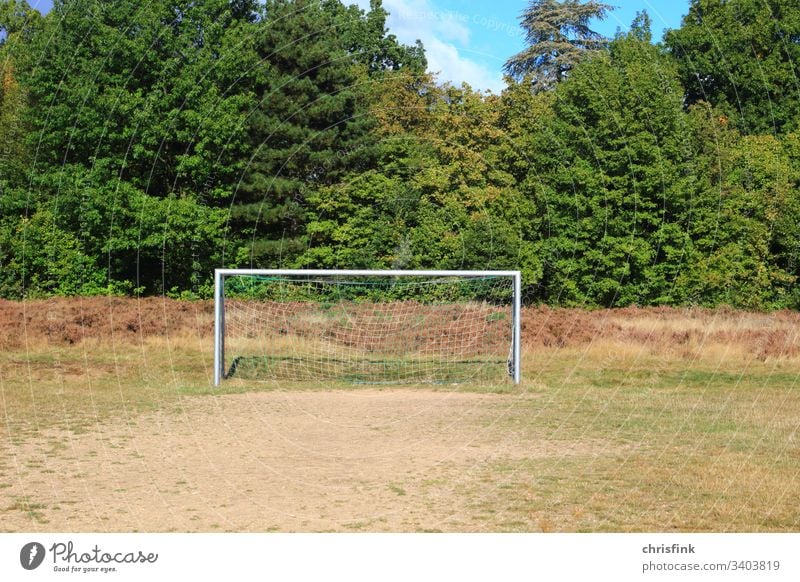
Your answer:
<point x="367" y="326"/>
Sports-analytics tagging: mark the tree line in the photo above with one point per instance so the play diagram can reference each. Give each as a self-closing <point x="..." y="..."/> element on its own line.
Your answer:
<point x="142" y="145"/>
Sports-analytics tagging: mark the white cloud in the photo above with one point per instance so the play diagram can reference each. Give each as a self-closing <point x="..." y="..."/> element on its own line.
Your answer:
<point x="440" y="32"/>
<point x="445" y="59"/>
<point x="412" y="17"/>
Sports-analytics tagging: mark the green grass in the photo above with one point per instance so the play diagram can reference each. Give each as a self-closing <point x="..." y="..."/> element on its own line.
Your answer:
<point x="389" y="370"/>
<point x="32" y="509"/>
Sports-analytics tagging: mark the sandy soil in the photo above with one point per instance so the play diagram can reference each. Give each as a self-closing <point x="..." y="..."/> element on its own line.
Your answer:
<point x="310" y="461"/>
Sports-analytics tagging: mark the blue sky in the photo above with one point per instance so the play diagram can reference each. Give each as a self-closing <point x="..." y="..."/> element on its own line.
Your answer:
<point x="469" y="40"/>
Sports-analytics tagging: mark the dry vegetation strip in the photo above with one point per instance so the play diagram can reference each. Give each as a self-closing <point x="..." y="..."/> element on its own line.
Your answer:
<point x="627" y="420"/>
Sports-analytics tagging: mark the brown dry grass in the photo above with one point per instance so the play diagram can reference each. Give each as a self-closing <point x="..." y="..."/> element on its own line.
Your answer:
<point x="63" y="321"/>
<point x="628" y="420"/>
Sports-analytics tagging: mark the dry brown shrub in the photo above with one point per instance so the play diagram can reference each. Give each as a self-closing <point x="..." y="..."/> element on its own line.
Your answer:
<point x="68" y="321"/>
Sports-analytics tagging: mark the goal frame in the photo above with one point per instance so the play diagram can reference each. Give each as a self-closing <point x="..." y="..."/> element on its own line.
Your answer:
<point x="219" y="301"/>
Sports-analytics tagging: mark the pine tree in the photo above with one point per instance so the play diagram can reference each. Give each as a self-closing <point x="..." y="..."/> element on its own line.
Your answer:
<point x="312" y="122"/>
<point x="558" y="38"/>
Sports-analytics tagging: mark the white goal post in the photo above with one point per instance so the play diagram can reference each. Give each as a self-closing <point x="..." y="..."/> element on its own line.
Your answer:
<point x="368" y="326"/>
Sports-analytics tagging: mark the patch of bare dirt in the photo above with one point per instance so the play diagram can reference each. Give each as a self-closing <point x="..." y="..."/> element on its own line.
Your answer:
<point x="397" y="460"/>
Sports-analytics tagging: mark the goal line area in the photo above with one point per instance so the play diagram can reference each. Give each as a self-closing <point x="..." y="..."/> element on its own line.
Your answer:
<point x="366" y="326"/>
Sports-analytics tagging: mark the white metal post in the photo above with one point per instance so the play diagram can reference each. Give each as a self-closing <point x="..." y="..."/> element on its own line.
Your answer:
<point x="517" y="326"/>
<point x="219" y="352"/>
<point x="356" y="272"/>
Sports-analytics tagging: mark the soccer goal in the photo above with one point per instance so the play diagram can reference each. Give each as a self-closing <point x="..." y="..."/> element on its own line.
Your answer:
<point x="367" y="326"/>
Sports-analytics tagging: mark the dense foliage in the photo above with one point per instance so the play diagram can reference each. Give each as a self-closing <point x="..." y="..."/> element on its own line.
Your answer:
<point x="144" y="144"/>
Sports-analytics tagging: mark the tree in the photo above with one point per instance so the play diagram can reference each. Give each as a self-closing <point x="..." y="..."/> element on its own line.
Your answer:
<point x="139" y="241"/>
<point x="14" y="155"/>
<point x="38" y="259"/>
<point x="437" y="196"/>
<point x="154" y="92"/>
<point x="743" y="57"/>
<point x="312" y="122"/>
<point x="366" y="38"/>
<point x="137" y="112"/>
<point x="558" y="38"/>
<point x="17" y="16"/>
<point x="745" y="220"/>
<point x="18" y="22"/>
<point x="607" y="173"/>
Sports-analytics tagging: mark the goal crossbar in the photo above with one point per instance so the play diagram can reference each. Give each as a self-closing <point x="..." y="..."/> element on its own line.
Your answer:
<point x="219" y="301"/>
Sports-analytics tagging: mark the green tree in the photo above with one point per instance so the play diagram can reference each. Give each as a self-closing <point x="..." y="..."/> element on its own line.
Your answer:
<point x="312" y="123"/>
<point x="154" y="92"/>
<point x="745" y="225"/>
<point x="607" y="173"/>
<point x="558" y="37"/>
<point x="18" y="22"/>
<point x="138" y="241"/>
<point x="17" y="17"/>
<point x="365" y="37"/>
<point x="138" y="115"/>
<point x="38" y="259"/>
<point x="438" y="196"/>
<point x="14" y="155"/>
<point x="743" y="57"/>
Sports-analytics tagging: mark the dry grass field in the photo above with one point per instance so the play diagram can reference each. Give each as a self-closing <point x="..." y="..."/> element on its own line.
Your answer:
<point x="626" y="420"/>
